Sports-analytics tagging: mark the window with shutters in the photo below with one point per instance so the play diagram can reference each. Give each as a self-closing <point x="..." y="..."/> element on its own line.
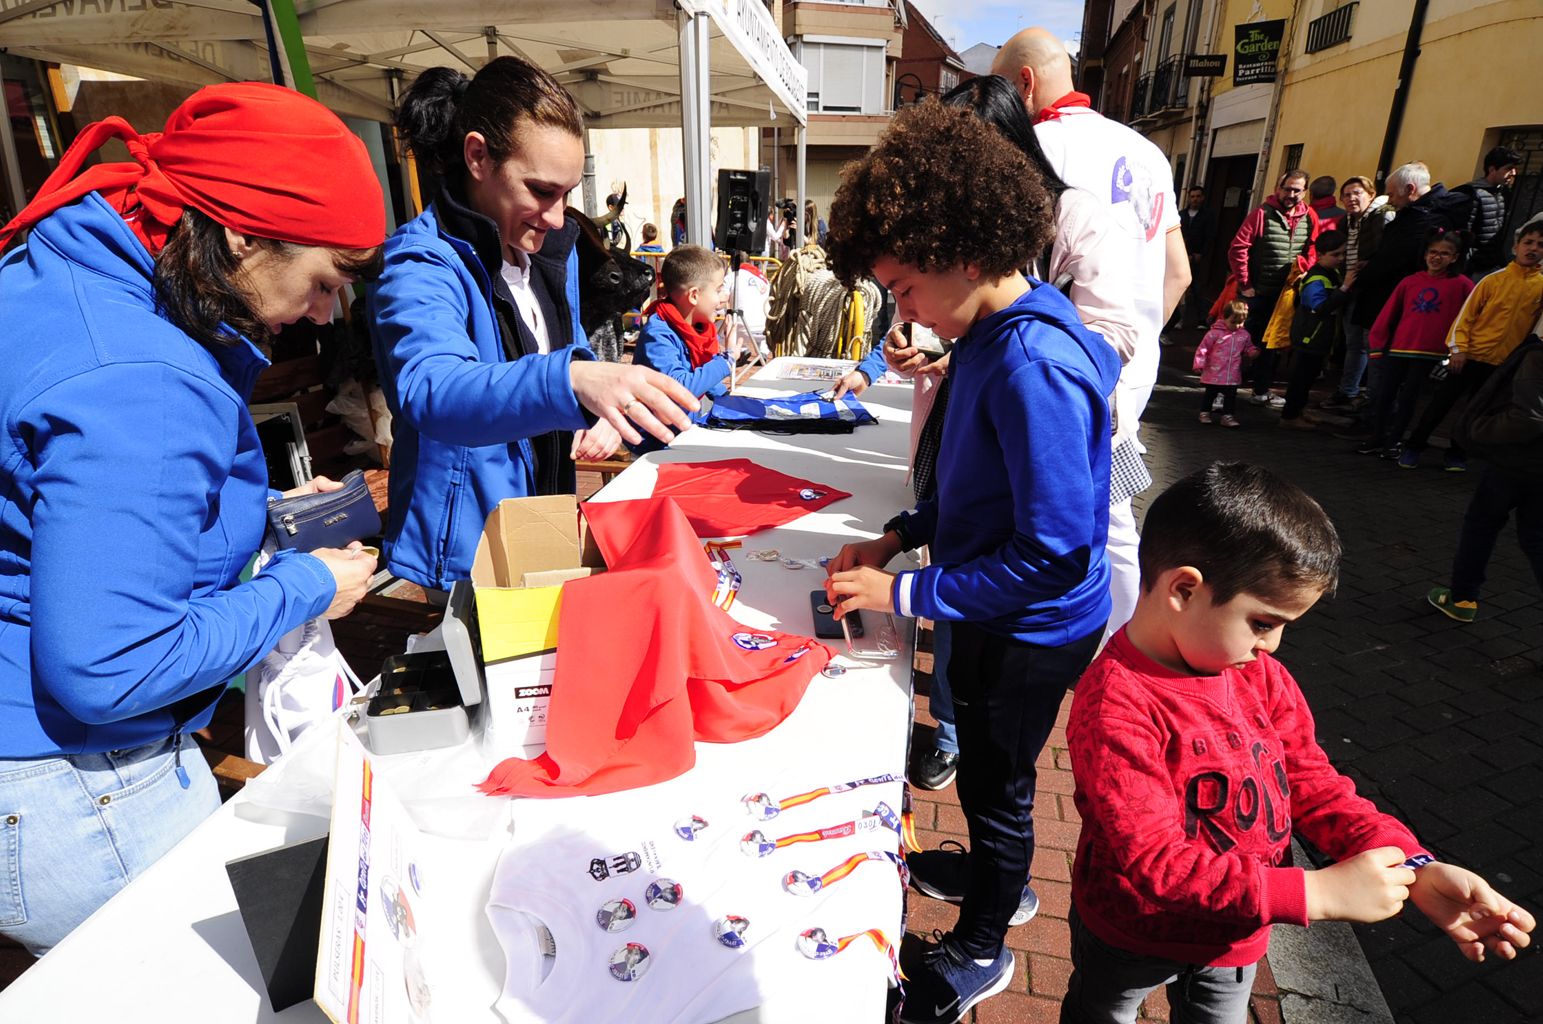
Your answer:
<point x="844" y="77"/>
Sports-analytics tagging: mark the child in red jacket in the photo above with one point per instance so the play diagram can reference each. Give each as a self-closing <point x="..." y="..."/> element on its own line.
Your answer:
<point x="1194" y="758"/>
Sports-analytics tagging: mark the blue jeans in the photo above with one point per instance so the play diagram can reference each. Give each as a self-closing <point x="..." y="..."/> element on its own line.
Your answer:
<point x="1355" y="359"/>
<point x="946" y="736"/>
<point x="1108" y="984"/>
<point x="74" y="830"/>
<point x="1006" y="695"/>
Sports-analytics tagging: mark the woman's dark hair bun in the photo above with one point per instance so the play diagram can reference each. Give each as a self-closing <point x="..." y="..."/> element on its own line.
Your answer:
<point x="426" y="117"/>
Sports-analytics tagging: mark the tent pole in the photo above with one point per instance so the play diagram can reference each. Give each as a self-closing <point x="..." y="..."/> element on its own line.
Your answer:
<point x="590" y="204"/>
<point x="695" y="124"/>
<point x="288" y="25"/>
<point x="12" y="161"/>
<point x="803" y="158"/>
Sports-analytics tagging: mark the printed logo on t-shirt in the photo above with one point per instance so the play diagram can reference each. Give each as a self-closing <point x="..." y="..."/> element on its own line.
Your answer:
<point x="602" y="868"/>
<point x="1130" y="184"/>
<point x="753" y="641"/>
<point x="1428" y="301"/>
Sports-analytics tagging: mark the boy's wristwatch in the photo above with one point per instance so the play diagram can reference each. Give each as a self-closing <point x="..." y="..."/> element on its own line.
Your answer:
<point x="897" y="524"/>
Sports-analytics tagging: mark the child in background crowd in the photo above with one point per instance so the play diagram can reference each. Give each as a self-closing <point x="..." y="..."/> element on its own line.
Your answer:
<point x="1220" y="360"/>
<point x="1497" y="316"/>
<point x="1322" y="292"/>
<point x="650" y="239"/>
<point x="1019" y="579"/>
<point x="679" y="338"/>
<point x="1194" y="759"/>
<point x="1410" y="336"/>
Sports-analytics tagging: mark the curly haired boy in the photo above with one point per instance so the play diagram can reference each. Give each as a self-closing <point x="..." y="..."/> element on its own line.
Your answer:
<point x="943" y="211"/>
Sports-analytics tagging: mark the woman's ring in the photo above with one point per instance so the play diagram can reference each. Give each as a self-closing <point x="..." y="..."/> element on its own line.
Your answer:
<point x="635" y="401"/>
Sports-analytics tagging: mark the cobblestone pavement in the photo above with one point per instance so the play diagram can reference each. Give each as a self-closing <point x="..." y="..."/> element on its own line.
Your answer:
<point x="1440" y="723"/>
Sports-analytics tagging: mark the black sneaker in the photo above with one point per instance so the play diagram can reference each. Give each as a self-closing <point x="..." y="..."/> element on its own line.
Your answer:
<point x="935" y="769"/>
<point x="942" y="874"/>
<point x="949" y="983"/>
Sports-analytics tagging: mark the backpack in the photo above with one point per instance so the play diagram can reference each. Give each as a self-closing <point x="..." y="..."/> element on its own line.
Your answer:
<point x="1480" y="430"/>
<point x="1307" y="325"/>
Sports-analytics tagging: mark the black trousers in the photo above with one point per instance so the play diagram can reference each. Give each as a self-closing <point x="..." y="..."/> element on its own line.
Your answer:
<point x="1006" y="696"/>
<point x="1464" y="382"/>
<point x="1229" y="393"/>
<point x="1304" y="371"/>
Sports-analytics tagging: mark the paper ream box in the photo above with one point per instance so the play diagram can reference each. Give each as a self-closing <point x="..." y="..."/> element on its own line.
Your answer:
<point x="528" y="549"/>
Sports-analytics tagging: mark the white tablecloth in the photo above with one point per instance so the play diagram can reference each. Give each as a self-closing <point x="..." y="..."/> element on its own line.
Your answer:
<point x="172" y="947"/>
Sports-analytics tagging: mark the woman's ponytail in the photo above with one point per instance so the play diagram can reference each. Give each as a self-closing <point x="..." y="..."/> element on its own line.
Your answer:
<point x="443" y="106"/>
<point x="427" y="118"/>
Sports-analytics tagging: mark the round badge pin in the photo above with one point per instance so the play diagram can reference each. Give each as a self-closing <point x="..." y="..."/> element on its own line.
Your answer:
<point x="631" y="962"/>
<point x="617" y="915"/>
<point x="663" y="894"/>
<point x="755" y="844"/>
<point x="760" y="805"/>
<point x="833" y="670"/>
<point x="687" y="828"/>
<point x="730" y="931"/>
<point x="816" y="945"/>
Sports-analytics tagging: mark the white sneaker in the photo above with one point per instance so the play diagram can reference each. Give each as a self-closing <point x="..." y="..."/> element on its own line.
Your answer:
<point x="1258" y="399"/>
<point x="1277" y="402"/>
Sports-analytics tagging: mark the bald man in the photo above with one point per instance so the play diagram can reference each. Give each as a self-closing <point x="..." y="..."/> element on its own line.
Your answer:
<point x="1112" y="162"/>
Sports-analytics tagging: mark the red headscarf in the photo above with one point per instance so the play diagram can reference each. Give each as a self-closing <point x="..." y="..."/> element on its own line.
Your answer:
<point x="259" y="159"/>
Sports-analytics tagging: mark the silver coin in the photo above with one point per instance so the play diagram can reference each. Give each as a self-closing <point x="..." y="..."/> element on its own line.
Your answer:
<point x="824" y="609"/>
<point x="833" y="670"/>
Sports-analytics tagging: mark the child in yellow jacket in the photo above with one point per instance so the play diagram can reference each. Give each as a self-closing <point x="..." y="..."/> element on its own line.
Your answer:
<point x="1494" y="321"/>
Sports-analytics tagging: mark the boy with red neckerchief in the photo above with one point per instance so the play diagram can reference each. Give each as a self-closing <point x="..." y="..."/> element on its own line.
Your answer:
<point x="679" y="339"/>
<point x="1194" y="759"/>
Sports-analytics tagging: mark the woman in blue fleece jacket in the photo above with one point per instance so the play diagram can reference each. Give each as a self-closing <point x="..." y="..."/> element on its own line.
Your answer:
<point x="133" y="489"/>
<point x="1018" y="576"/>
<point x="492" y="387"/>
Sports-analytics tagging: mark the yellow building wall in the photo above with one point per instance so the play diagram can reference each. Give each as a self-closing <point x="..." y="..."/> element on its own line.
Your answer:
<point x="1474" y="75"/>
<point x="651" y="163"/>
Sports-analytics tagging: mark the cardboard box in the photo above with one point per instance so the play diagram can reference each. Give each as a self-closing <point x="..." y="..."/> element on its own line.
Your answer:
<point x="529" y="548"/>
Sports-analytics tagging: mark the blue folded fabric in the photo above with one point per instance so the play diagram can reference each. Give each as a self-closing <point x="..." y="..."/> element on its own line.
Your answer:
<point x="813" y="412"/>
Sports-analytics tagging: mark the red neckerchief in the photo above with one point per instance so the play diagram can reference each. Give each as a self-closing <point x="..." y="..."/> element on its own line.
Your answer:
<point x="701" y="339"/>
<point x="1071" y="99"/>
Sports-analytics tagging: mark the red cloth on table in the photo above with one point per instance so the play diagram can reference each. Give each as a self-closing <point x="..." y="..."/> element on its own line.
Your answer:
<point x="736" y="497"/>
<point x="647" y="664"/>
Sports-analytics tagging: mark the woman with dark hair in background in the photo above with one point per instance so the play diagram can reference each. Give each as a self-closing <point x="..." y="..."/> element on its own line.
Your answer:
<point x="492" y="387"/>
<point x="134" y="490"/>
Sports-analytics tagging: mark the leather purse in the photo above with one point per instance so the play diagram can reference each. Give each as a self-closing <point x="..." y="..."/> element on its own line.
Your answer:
<point x="330" y="520"/>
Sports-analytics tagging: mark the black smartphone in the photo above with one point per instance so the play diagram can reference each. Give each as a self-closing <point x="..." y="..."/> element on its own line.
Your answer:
<point x="825" y="625"/>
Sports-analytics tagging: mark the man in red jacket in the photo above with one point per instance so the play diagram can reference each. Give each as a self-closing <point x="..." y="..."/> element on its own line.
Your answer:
<point x="1194" y="759"/>
<point x="1278" y="232"/>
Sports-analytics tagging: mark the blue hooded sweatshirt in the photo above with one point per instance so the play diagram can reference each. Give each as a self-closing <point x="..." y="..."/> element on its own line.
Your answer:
<point x="133" y="492"/>
<point x="1017" y="529"/>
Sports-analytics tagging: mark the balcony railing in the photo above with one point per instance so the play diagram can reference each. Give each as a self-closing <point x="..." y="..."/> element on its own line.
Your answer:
<point x="1141" y="97"/>
<point x="1169" y="86"/>
<point x="1331" y="29"/>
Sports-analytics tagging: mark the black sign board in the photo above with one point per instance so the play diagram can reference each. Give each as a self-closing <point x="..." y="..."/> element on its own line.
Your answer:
<point x="1205" y="65"/>
<point x="1257" y="51"/>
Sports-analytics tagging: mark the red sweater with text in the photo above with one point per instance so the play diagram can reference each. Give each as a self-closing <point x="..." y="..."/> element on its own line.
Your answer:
<point x="1189" y="788"/>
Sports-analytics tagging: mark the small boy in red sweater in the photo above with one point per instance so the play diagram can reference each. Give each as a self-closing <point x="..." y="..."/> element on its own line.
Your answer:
<point x="1194" y="759"/>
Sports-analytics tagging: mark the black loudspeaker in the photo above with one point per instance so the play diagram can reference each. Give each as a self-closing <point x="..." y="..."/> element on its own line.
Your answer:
<point x="742" y="200"/>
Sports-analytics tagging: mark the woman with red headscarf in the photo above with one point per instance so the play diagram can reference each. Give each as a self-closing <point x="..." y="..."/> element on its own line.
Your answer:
<point x="132" y="486"/>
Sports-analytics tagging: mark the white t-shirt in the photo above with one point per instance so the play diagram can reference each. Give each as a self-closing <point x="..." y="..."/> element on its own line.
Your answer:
<point x="1110" y="161"/>
<point x="553" y="889"/>
<point x="517" y="276"/>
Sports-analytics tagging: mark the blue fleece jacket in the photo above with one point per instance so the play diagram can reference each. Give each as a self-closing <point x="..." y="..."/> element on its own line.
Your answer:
<point x="132" y="494"/>
<point x="1017" y="529"/>
<point x="462" y="410"/>
<point x="660" y="348"/>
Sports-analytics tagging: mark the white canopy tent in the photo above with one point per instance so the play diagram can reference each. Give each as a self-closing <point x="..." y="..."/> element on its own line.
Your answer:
<point x="629" y="63"/>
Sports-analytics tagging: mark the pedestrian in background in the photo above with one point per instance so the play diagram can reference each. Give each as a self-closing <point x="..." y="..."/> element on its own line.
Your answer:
<point x="1220" y="358"/>
<point x="1487" y="210"/>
